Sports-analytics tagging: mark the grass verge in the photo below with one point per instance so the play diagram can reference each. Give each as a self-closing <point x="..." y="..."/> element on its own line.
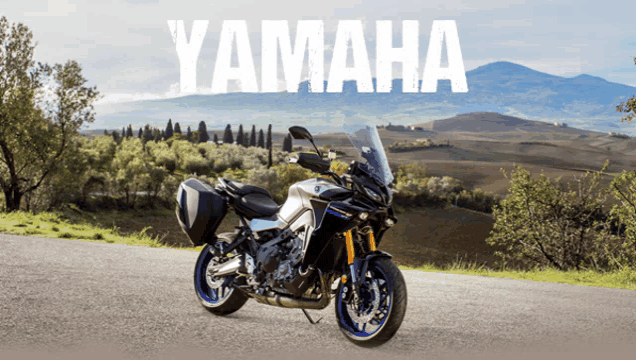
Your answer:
<point x="66" y="226"/>
<point x="624" y="279"/>
<point x="75" y="224"/>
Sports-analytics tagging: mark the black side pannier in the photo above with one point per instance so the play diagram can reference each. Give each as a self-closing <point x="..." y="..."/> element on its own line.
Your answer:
<point x="200" y="210"/>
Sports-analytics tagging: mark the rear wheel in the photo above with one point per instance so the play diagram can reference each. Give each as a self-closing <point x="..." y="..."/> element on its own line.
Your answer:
<point x="378" y="314"/>
<point x="214" y="293"/>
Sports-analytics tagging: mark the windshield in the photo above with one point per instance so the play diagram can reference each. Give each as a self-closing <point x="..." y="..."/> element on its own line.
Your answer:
<point x="366" y="140"/>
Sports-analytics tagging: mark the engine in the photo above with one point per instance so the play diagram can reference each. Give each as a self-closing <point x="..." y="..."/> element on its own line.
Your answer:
<point x="277" y="263"/>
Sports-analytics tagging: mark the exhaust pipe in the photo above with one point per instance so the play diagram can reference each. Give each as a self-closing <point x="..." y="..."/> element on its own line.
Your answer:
<point x="290" y="302"/>
<point x="230" y="267"/>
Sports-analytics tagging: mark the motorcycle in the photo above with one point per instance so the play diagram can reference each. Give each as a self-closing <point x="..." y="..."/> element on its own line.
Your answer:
<point x="322" y="243"/>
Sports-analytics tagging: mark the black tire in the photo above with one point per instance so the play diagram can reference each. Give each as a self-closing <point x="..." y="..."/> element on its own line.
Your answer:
<point x="231" y="299"/>
<point x="396" y="308"/>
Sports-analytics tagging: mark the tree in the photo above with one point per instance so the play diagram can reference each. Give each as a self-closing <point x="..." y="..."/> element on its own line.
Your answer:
<point x="203" y="133"/>
<point x="164" y="136"/>
<point x="216" y="139"/>
<point x="189" y="134"/>
<point x="42" y="109"/>
<point x="169" y="130"/>
<point x="227" y="136"/>
<point x="177" y="128"/>
<point x="287" y="143"/>
<point x="123" y="132"/>
<point x="240" y="135"/>
<point x="628" y="107"/>
<point x="261" y="140"/>
<point x="269" y="158"/>
<point x="140" y="133"/>
<point x="106" y="132"/>
<point x="547" y="222"/>
<point x="253" y="136"/>
<point x="246" y="141"/>
<point x="269" y="137"/>
<point x="116" y="136"/>
<point x="147" y="135"/>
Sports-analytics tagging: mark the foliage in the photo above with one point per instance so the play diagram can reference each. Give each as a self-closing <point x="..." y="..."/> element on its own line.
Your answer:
<point x="41" y="111"/>
<point x="253" y="136"/>
<point x="628" y="107"/>
<point x="177" y="128"/>
<point x="261" y="140"/>
<point x="203" y="132"/>
<point x="268" y="144"/>
<point x="169" y="129"/>
<point x="546" y="222"/>
<point x="287" y="143"/>
<point x="239" y="136"/>
<point x="227" y="135"/>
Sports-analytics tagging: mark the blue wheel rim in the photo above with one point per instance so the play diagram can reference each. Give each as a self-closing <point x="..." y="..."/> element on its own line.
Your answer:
<point x="359" y="330"/>
<point x="204" y="291"/>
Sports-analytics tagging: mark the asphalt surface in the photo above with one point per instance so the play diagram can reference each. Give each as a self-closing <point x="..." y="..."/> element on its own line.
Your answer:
<point x="71" y="298"/>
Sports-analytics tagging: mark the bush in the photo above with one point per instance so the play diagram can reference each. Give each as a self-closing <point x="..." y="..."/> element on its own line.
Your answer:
<point x="545" y="222"/>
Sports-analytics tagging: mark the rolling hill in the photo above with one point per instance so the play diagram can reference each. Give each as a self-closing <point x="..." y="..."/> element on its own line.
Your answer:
<point x="584" y="102"/>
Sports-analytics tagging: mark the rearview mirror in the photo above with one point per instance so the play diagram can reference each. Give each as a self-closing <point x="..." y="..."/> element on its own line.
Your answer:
<point x="300" y="133"/>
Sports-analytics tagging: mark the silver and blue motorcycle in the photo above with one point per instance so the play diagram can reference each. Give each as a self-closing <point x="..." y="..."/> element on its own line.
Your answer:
<point x="322" y="243"/>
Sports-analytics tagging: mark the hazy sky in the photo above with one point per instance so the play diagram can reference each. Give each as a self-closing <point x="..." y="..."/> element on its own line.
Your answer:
<point x="126" y="49"/>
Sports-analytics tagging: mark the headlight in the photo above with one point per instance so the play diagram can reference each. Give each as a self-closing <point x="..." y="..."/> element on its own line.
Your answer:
<point x="374" y="195"/>
<point x="363" y="216"/>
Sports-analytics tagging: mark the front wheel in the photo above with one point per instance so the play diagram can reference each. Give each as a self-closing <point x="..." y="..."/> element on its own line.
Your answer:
<point x="381" y="307"/>
<point x="214" y="293"/>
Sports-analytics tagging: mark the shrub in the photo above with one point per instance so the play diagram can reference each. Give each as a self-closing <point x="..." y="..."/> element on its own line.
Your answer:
<point x="545" y="222"/>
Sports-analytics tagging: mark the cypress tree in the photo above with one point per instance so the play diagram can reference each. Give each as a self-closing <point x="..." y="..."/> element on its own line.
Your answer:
<point x="216" y="139"/>
<point x="164" y="136"/>
<point x="203" y="133"/>
<point x="268" y="144"/>
<point x="169" y="130"/>
<point x="246" y="140"/>
<point x="287" y="143"/>
<point x="123" y="132"/>
<point x="227" y="136"/>
<point x="140" y="133"/>
<point x="177" y="129"/>
<point x="116" y="136"/>
<point x="269" y="158"/>
<point x="189" y="134"/>
<point x="240" y="135"/>
<point x="106" y="132"/>
<point x="147" y="135"/>
<point x="253" y="136"/>
<point x="261" y="140"/>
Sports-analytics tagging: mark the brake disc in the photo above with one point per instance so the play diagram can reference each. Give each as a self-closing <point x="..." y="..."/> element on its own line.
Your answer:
<point x="368" y="313"/>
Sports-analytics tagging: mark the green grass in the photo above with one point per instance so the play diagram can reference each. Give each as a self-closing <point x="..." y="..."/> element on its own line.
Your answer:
<point x="624" y="279"/>
<point x="66" y="226"/>
<point x="74" y="224"/>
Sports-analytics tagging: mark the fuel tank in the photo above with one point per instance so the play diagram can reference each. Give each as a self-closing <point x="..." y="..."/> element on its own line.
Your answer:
<point x="300" y="194"/>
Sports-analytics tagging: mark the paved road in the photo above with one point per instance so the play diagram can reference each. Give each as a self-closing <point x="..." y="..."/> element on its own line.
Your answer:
<point x="73" y="297"/>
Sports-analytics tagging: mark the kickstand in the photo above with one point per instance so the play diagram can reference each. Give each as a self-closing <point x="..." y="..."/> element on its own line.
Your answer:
<point x="309" y="318"/>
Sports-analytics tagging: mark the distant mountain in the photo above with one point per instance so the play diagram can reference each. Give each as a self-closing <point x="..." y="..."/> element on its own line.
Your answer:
<point x="494" y="122"/>
<point x="584" y="101"/>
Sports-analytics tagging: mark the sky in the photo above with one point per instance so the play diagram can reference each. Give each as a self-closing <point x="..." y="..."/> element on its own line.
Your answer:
<point x="126" y="49"/>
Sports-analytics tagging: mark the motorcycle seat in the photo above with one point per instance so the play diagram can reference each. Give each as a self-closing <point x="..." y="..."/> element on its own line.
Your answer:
<point x="251" y="201"/>
<point x="256" y="205"/>
<point x="241" y="189"/>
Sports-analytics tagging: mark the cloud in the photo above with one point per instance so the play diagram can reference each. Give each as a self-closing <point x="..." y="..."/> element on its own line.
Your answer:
<point x="508" y="23"/>
<point x="55" y="8"/>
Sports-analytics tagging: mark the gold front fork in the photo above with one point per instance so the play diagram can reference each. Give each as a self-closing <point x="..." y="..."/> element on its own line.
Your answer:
<point x="351" y="253"/>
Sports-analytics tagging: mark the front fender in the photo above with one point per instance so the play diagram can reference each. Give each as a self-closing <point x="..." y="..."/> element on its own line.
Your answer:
<point x="360" y="265"/>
